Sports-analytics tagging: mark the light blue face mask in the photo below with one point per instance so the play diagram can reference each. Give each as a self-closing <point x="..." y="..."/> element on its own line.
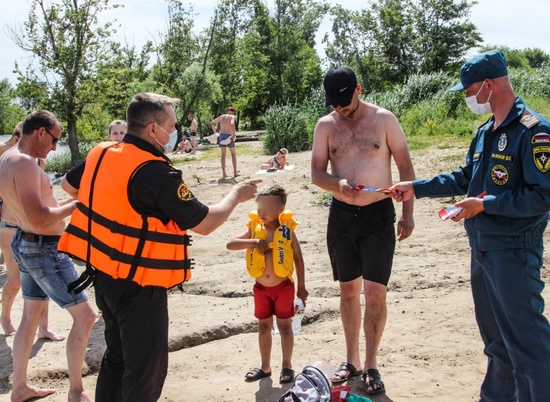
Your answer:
<point x="172" y="138"/>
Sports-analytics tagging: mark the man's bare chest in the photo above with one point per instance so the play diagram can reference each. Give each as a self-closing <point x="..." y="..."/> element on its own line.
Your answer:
<point x="362" y="140"/>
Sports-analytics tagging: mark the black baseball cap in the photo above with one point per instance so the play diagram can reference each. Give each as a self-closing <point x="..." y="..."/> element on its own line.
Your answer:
<point x="339" y="83"/>
<point x="491" y="64"/>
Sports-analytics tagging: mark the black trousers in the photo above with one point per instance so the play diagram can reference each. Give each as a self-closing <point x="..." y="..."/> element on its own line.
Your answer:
<point x="135" y="362"/>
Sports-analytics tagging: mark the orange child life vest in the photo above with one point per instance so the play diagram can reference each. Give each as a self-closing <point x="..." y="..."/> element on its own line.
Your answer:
<point x="109" y="235"/>
<point x="282" y="253"/>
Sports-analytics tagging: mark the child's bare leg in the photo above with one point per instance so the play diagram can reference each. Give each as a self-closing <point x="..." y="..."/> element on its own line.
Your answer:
<point x="287" y="341"/>
<point x="266" y="340"/>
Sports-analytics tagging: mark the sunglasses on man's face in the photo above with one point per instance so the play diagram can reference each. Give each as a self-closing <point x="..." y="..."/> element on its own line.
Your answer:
<point x="337" y="106"/>
<point x="55" y="140"/>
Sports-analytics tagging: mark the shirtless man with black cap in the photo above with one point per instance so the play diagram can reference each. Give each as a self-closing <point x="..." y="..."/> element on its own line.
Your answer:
<point x="359" y="140"/>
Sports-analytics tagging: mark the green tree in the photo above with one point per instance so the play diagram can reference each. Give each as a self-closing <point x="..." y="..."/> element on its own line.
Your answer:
<point x="444" y="34"/>
<point x="515" y="58"/>
<point x="280" y="61"/>
<point x="232" y="20"/>
<point x="393" y="39"/>
<point x="10" y="112"/>
<point x="121" y="68"/>
<point x="537" y="58"/>
<point x="67" y="40"/>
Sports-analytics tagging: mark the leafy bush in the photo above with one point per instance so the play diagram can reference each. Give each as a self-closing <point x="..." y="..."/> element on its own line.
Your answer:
<point x="291" y="126"/>
<point x="61" y="163"/>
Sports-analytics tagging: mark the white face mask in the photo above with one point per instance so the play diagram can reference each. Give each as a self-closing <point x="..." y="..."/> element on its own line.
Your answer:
<point x="475" y="106"/>
<point x="172" y="138"/>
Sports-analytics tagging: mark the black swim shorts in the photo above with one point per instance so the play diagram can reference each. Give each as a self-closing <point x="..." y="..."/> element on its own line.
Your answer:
<point x="361" y="240"/>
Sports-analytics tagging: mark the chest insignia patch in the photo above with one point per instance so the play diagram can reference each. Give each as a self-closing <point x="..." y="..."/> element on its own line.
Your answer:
<point x="499" y="174"/>
<point x="502" y="142"/>
<point x="184" y="193"/>
<point x="540" y="137"/>
<point x="541" y="155"/>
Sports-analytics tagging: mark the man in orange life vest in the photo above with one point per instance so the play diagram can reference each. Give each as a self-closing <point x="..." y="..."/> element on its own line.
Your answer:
<point x="130" y="227"/>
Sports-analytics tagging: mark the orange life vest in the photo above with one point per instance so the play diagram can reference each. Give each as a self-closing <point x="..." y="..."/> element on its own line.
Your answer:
<point x="108" y="234"/>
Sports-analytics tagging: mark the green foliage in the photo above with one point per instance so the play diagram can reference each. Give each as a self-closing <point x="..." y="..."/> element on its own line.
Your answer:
<point x="93" y="124"/>
<point x="10" y="113"/>
<point x="419" y="87"/>
<point x="67" y="40"/>
<point x="394" y="39"/>
<point x="291" y="125"/>
<point x="527" y="82"/>
<point x="285" y="127"/>
<point x="537" y="57"/>
<point x="279" y="61"/>
<point x="62" y="162"/>
<point x="121" y="71"/>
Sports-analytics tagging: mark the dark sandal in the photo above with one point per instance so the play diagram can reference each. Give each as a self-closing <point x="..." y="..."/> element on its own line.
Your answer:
<point x="376" y="380"/>
<point x="345" y="366"/>
<point x="287" y="375"/>
<point x="257" y="374"/>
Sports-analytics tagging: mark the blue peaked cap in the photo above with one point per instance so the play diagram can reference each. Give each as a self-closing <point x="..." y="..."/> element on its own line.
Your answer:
<point x="490" y="64"/>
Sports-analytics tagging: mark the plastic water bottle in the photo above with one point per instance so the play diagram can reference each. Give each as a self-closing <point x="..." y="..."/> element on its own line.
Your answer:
<point x="298" y="316"/>
<point x="275" y="327"/>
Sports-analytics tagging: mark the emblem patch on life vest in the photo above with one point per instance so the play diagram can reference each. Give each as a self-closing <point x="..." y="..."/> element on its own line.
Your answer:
<point x="499" y="174"/>
<point x="184" y="193"/>
<point x="540" y="137"/>
<point x="502" y="142"/>
<point x="541" y="155"/>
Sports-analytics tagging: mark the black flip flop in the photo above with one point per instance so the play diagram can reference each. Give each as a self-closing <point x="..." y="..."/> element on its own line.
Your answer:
<point x="350" y="368"/>
<point x="286" y="372"/>
<point x="257" y="374"/>
<point x="376" y="380"/>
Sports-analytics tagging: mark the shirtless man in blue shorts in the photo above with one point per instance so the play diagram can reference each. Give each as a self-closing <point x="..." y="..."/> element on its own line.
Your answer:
<point x="45" y="273"/>
<point x="227" y="138"/>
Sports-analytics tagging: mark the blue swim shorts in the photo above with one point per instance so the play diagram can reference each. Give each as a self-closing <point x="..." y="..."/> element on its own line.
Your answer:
<point x="45" y="272"/>
<point x="224" y="137"/>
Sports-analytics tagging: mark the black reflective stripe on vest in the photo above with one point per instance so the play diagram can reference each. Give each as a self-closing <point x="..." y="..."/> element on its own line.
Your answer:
<point x="129" y="258"/>
<point x="129" y="231"/>
<point x="87" y="277"/>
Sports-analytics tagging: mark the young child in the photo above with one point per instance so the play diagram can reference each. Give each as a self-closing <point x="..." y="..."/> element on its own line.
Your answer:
<point x="272" y="252"/>
<point x="277" y="162"/>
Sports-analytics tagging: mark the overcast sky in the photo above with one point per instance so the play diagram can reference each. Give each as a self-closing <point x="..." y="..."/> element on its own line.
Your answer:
<point x="501" y="22"/>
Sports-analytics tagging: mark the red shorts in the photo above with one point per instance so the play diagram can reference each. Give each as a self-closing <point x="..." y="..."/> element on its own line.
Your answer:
<point x="274" y="300"/>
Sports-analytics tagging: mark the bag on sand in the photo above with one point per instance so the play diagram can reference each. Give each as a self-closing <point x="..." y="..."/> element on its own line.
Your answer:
<point x="311" y="385"/>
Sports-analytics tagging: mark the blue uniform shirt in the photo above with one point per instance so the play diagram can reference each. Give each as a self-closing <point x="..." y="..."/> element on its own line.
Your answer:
<point x="512" y="165"/>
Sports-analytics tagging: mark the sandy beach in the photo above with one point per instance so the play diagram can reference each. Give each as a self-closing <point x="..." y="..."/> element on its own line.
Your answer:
<point x="431" y="349"/>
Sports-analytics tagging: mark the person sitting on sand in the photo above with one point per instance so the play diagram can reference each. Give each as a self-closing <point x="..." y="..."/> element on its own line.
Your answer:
<point x="273" y="271"/>
<point x="183" y="146"/>
<point x="277" y="162"/>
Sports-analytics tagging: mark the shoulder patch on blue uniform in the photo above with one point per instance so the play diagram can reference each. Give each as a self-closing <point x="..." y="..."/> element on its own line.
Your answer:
<point x="529" y="120"/>
<point x="184" y="193"/>
<point x="540" y="137"/>
<point x="541" y="155"/>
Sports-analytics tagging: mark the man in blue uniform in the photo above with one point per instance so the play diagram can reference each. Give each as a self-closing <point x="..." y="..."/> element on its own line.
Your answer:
<point x="509" y="159"/>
